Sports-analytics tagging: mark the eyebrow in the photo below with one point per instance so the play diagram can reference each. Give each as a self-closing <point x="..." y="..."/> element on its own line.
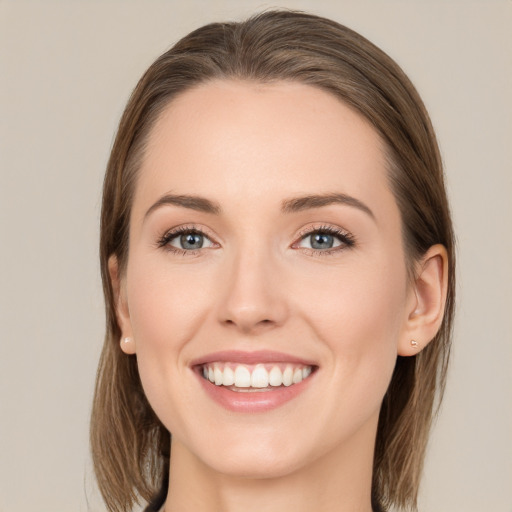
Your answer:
<point x="197" y="203"/>
<point x="292" y="205"/>
<point x="318" y="201"/>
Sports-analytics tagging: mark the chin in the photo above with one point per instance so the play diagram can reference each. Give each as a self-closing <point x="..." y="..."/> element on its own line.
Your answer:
<point x="256" y="466"/>
<point x="262" y="456"/>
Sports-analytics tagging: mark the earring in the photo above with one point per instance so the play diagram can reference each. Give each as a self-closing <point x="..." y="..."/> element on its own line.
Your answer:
<point x="414" y="344"/>
<point x="127" y="345"/>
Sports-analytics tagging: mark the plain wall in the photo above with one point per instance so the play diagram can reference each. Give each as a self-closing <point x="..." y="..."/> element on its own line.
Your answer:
<point x="66" y="70"/>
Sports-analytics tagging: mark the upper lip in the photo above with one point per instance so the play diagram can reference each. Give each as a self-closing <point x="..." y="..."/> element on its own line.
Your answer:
<point x="243" y="357"/>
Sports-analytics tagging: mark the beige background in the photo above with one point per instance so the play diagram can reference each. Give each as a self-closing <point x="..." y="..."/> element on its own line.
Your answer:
<point x="66" y="70"/>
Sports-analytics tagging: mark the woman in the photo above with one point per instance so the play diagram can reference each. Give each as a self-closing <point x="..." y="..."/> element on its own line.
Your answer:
<point x="278" y="267"/>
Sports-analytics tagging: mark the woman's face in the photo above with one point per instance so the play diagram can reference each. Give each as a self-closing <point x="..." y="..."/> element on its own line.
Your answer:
<point x="265" y="254"/>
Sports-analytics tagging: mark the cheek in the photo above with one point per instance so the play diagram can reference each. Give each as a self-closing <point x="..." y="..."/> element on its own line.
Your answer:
<point x="359" y="305"/>
<point x="359" y="316"/>
<point x="166" y="306"/>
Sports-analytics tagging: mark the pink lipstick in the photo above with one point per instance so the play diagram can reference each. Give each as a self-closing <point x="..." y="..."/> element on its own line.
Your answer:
<point x="253" y="381"/>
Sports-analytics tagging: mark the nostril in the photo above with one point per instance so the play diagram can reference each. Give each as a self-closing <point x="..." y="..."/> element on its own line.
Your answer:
<point x="250" y="324"/>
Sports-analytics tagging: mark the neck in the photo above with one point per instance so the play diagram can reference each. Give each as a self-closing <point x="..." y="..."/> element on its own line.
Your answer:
<point x="339" y="481"/>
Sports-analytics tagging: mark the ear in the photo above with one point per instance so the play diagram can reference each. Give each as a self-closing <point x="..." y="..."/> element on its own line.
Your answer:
<point x="426" y="302"/>
<point x="122" y="312"/>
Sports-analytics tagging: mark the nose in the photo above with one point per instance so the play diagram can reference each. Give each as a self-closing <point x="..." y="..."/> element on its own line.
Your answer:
<point x="254" y="298"/>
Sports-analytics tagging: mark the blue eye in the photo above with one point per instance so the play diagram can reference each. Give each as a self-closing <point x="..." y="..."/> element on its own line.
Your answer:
<point x="186" y="240"/>
<point x="325" y="239"/>
<point x="322" y="241"/>
<point x="190" y="241"/>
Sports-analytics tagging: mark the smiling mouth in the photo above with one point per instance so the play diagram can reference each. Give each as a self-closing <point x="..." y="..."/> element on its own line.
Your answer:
<point x="255" y="377"/>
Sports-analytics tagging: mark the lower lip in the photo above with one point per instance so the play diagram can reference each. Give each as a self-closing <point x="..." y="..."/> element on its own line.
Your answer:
<point x="253" y="401"/>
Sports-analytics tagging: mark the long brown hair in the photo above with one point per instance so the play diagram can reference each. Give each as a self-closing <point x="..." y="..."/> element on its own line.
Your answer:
<point x="130" y="446"/>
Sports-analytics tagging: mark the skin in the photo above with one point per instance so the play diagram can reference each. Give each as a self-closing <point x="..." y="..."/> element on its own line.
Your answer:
<point x="259" y="286"/>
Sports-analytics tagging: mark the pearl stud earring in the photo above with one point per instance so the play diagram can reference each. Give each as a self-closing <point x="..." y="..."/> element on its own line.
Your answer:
<point x="127" y="345"/>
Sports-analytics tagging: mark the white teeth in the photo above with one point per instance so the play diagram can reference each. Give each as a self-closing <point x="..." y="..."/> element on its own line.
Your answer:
<point x="260" y="376"/>
<point x="297" y="376"/>
<point x="242" y="377"/>
<point x="275" y="377"/>
<point x="288" y="376"/>
<point x="218" y="374"/>
<point x="229" y="377"/>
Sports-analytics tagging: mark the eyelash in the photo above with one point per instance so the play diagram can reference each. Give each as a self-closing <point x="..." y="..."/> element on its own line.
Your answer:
<point x="164" y="241"/>
<point x="347" y="240"/>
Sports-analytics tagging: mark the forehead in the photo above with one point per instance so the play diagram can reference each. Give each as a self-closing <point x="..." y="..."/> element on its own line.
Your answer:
<point x="239" y="138"/>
